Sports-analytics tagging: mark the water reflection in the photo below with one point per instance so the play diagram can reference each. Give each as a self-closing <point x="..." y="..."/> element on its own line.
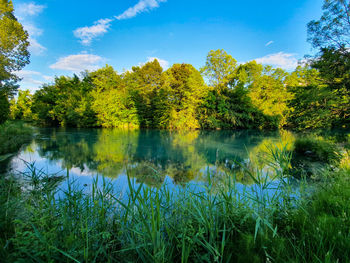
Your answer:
<point x="152" y="156"/>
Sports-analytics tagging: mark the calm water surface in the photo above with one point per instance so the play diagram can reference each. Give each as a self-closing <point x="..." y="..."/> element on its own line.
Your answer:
<point x="149" y="156"/>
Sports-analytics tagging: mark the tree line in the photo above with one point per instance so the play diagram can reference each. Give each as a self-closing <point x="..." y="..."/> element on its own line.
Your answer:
<point x="221" y="95"/>
<point x="247" y="95"/>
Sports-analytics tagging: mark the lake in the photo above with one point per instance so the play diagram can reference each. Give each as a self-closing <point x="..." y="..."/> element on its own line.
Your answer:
<point x="153" y="157"/>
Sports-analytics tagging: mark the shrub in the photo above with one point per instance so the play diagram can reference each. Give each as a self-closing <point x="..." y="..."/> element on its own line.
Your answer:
<point x="4" y="108"/>
<point x="317" y="149"/>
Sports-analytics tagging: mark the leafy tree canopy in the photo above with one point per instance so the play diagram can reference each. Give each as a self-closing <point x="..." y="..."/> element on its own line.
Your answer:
<point x="333" y="28"/>
<point x="14" y="44"/>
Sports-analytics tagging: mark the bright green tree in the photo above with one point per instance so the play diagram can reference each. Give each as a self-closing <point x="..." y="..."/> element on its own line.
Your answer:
<point x="21" y="107"/>
<point x="220" y="68"/>
<point x="14" y="53"/>
<point x="270" y="95"/>
<point x="180" y="97"/>
<point x="112" y="101"/>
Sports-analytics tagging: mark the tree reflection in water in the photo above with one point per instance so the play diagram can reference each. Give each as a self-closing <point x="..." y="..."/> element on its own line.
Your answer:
<point x="152" y="155"/>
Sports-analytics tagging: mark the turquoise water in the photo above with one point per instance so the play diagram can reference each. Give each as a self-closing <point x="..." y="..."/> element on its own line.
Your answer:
<point x="152" y="157"/>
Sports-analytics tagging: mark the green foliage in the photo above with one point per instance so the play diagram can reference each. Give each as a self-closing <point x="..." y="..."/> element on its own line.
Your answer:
<point x="232" y="109"/>
<point x="180" y="97"/>
<point x="4" y="108"/>
<point x="13" y="48"/>
<point x="220" y="68"/>
<point x="332" y="30"/>
<point x="13" y="135"/>
<point x="269" y="94"/>
<point x="246" y="96"/>
<point x="67" y="102"/>
<point x="334" y="68"/>
<point x="330" y="35"/>
<point x="21" y="108"/>
<point x="112" y="101"/>
<point x="145" y="84"/>
<point x="317" y="149"/>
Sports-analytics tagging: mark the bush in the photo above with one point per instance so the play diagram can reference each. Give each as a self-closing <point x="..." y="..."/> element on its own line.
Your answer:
<point x="4" y="108"/>
<point x="316" y="149"/>
<point x="13" y="135"/>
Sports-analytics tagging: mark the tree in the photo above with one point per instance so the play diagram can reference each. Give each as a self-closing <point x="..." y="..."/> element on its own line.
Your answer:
<point x="331" y="35"/>
<point x="14" y="44"/>
<point x="333" y="28"/>
<point x="21" y="108"/>
<point x="13" y="54"/>
<point x="179" y="99"/>
<point x="112" y="101"/>
<point x="269" y="94"/>
<point x="66" y="102"/>
<point x="4" y="108"/>
<point x="220" y="68"/>
<point x="144" y="84"/>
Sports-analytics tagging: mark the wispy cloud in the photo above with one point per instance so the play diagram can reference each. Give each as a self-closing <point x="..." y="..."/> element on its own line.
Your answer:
<point x="269" y="43"/>
<point x="32" y="80"/>
<point x="78" y="63"/>
<point x="88" y="33"/>
<point x="25" y="13"/>
<point x="140" y="7"/>
<point x="35" y="47"/>
<point x="283" y="60"/>
<point x="29" y="77"/>
<point x="29" y="9"/>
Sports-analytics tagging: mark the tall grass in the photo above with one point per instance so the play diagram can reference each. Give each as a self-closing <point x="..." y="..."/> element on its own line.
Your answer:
<point x="268" y="222"/>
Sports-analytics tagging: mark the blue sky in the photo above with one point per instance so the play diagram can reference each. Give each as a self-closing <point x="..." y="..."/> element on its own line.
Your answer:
<point x="70" y="36"/>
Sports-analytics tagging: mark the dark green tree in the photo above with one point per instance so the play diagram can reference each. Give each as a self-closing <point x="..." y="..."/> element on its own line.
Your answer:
<point x="331" y="36"/>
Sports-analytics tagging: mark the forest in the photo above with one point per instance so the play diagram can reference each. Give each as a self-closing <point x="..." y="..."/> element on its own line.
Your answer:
<point x="234" y="96"/>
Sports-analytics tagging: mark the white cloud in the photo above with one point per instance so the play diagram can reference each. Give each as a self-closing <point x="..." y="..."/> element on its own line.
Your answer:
<point x="25" y="13"/>
<point x="78" y="63"/>
<point x="32" y="80"/>
<point x="35" y="47"/>
<point x="140" y="7"/>
<point x="29" y="77"/>
<point x="269" y="43"/>
<point x="163" y="63"/>
<point x="87" y="34"/>
<point x="29" y="9"/>
<point x="282" y="60"/>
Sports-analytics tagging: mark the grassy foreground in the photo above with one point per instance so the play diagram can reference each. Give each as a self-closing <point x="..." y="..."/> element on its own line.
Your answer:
<point x="154" y="225"/>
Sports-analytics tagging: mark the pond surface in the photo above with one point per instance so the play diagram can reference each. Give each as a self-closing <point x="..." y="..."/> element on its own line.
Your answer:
<point x="150" y="156"/>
